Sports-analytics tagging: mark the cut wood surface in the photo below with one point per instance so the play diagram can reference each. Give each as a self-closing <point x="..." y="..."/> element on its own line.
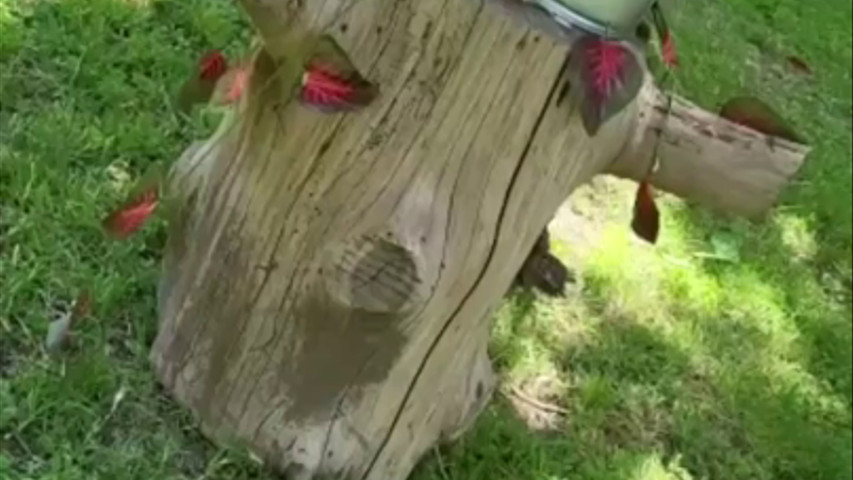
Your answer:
<point x="329" y="279"/>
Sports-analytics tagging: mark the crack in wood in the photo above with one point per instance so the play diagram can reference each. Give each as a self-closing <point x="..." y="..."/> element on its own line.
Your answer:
<point x="488" y="263"/>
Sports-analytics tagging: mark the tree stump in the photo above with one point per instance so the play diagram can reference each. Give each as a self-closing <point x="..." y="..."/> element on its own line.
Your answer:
<point x="329" y="279"/>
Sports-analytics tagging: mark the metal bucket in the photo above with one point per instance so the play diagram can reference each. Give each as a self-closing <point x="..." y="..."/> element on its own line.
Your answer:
<point x="610" y="18"/>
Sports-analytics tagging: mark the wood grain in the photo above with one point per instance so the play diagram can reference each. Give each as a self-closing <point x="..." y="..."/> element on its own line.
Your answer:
<point x="329" y="280"/>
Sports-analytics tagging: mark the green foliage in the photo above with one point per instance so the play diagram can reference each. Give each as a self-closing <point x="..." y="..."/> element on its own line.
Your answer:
<point x="723" y="353"/>
<point x="85" y="91"/>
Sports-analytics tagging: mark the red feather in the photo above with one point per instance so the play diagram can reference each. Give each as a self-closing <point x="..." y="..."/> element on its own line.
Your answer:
<point x="646" y="223"/>
<point x="129" y="218"/>
<point x="212" y="66"/>
<point x="330" y="91"/>
<point x="607" y="76"/>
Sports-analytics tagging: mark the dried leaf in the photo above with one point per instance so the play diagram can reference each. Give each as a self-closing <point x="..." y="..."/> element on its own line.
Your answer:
<point x="799" y="65"/>
<point x="757" y="115"/>
<point x="646" y="222"/>
<point x="328" y="90"/>
<point x="667" y="44"/>
<point x="83" y="305"/>
<point x="609" y="76"/>
<point x="131" y="216"/>
<point x="668" y="53"/>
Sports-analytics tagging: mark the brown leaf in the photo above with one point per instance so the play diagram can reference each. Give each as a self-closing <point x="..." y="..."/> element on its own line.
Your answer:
<point x="83" y="305"/>
<point x="757" y="115"/>
<point x="646" y="222"/>
<point x="799" y="65"/>
<point x="668" y="53"/>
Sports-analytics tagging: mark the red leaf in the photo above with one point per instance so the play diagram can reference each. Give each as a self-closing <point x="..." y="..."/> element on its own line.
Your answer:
<point x="607" y="59"/>
<point x="330" y="91"/>
<point x="755" y="114"/>
<point x="200" y="86"/>
<point x="607" y="75"/>
<point x="212" y="66"/>
<point x="668" y="53"/>
<point x="667" y="45"/>
<point x="238" y="85"/>
<point x="129" y="218"/>
<point x="646" y="223"/>
<point x="231" y="86"/>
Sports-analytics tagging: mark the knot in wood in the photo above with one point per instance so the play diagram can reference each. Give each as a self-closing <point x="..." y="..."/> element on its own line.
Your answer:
<point x="373" y="274"/>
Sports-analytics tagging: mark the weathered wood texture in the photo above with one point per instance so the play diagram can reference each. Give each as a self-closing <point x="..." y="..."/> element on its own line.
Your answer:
<point x="707" y="159"/>
<point x="329" y="280"/>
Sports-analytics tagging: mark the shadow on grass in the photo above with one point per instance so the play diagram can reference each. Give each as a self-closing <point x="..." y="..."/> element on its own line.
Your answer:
<point x="648" y="403"/>
<point x="794" y="266"/>
<point x="740" y="368"/>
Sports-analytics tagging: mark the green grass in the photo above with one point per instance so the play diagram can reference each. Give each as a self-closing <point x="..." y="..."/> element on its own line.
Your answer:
<point x="724" y="353"/>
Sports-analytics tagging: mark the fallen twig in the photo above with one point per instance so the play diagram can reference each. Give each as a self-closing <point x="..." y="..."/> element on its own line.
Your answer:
<point x="519" y="394"/>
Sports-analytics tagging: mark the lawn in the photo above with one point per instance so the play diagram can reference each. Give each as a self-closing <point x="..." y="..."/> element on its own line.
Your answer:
<point x="725" y="352"/>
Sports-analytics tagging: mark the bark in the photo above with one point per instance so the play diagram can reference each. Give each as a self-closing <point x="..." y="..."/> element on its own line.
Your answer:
<point x="329" y="279"/>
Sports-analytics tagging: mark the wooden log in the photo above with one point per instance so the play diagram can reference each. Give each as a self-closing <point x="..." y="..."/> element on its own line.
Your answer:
<point x="702" y="157"/>
<point x="329" y="279"/>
